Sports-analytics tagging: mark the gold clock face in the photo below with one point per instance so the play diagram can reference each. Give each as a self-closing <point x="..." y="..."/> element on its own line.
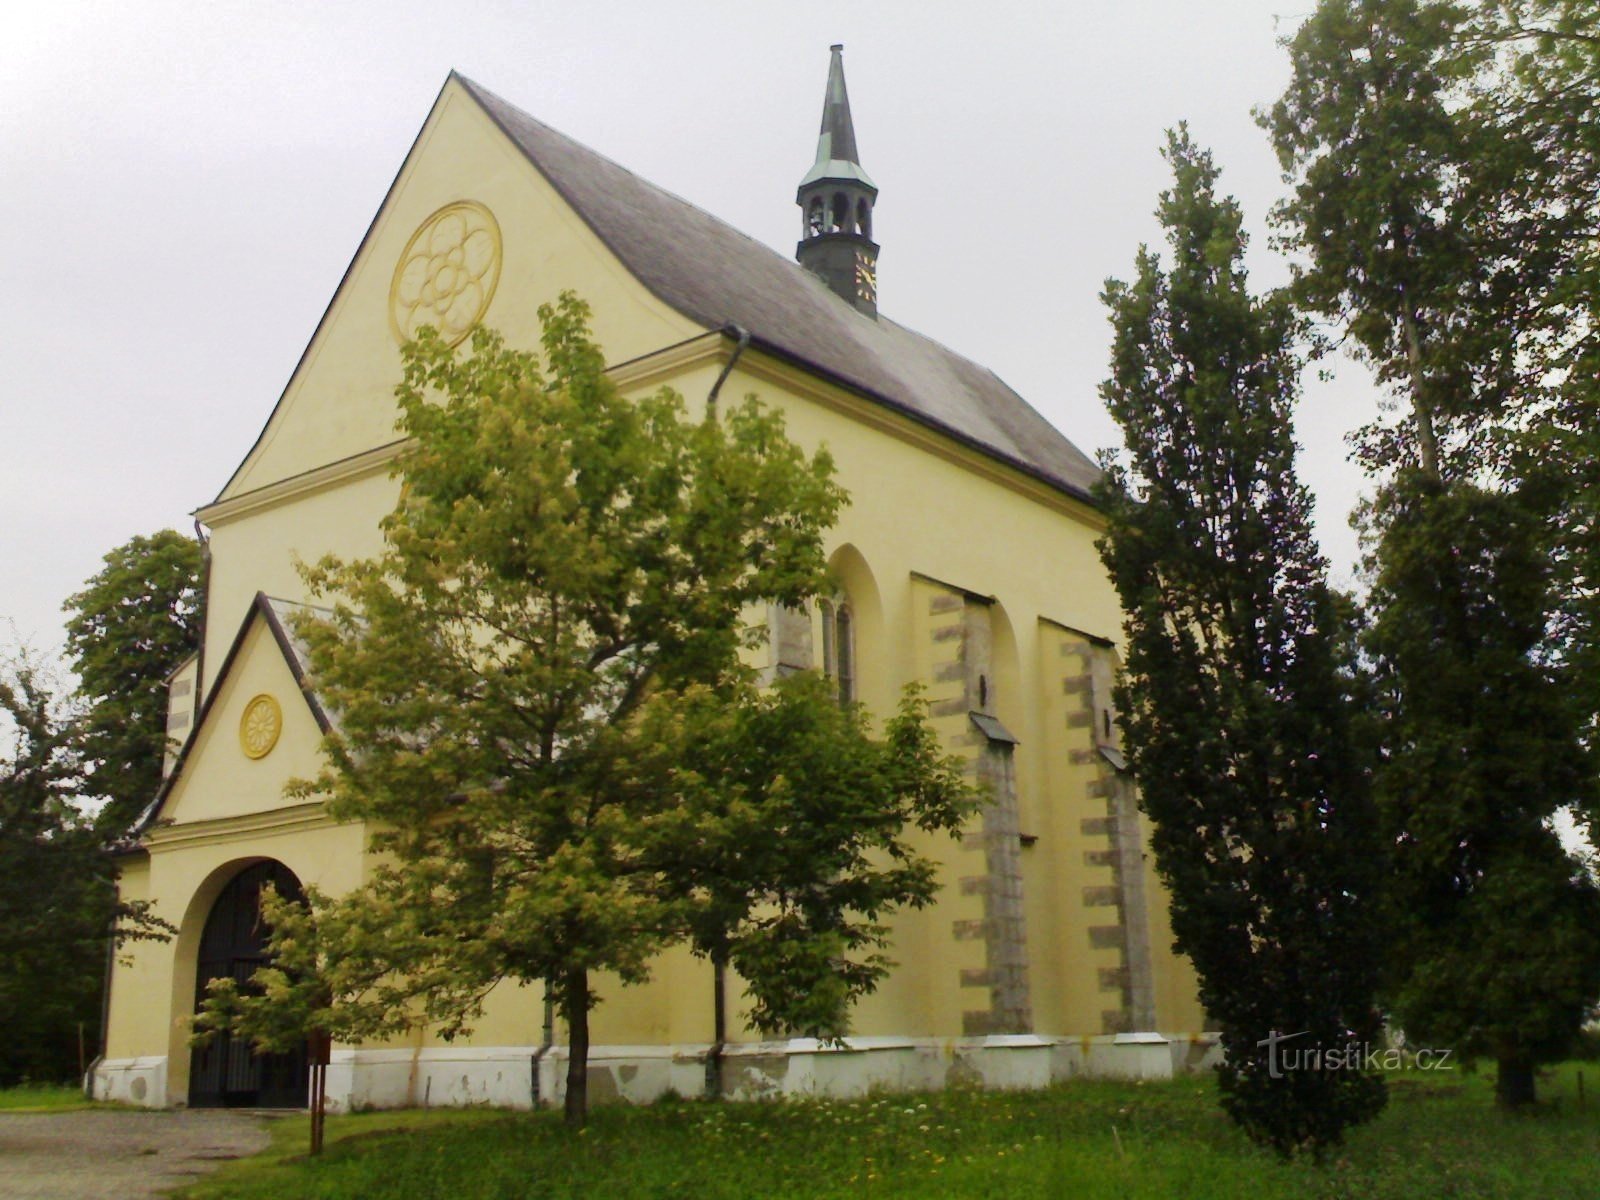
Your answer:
<point x="260" y="726"/>
<point x="866" y="278"/>
<point x="447" y="273"/>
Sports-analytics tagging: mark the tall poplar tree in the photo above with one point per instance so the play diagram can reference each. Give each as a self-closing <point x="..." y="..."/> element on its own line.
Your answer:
<point x="1237" y="700"/>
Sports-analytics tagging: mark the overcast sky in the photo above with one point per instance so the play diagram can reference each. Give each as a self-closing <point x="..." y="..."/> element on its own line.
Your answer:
<point x="183" y="184"/>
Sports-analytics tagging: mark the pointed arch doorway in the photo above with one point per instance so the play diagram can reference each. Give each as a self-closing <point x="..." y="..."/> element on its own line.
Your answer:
<point x="225" y="1073"/>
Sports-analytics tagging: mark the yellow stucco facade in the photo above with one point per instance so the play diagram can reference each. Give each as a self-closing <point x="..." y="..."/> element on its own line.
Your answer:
<point x="1047" y="953"/>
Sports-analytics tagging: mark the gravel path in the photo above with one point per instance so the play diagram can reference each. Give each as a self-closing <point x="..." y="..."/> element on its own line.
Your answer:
<point x="107" y="1155"/>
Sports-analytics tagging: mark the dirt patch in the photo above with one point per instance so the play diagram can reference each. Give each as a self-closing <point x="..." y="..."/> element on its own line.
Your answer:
<point x="119" y="1155"/>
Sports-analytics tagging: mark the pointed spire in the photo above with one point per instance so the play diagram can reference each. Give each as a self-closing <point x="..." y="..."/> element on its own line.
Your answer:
<point x="837" y="157"/>
<point x="836" y="199"/>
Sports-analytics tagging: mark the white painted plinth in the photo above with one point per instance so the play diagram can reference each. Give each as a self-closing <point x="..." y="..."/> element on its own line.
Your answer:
<point x="504" y="1076"/>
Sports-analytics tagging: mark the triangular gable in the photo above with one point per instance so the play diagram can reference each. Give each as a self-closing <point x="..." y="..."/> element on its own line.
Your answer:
<point x="266" y="659"/>
<point x="656" y="270"/>
<point x="339" y="402"/>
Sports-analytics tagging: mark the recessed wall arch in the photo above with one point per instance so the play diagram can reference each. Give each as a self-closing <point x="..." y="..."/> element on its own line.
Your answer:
<point x="1005" y="698"/>
<point x="857" y="588"/>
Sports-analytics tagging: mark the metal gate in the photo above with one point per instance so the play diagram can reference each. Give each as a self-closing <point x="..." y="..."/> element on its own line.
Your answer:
<point x="225" y="1073"/>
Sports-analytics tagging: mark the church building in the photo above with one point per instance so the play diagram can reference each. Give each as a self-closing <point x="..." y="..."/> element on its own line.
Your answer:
<point x="965" y="560"/>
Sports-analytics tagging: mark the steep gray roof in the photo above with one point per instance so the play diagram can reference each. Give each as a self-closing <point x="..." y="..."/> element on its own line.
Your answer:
<point x="717" y="276"/>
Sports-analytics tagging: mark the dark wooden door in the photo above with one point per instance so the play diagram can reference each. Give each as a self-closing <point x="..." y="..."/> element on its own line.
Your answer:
<point x="226" y="1073"/>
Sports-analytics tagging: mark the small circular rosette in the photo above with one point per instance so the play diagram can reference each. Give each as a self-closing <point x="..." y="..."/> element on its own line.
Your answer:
<point x="260" y="726"/>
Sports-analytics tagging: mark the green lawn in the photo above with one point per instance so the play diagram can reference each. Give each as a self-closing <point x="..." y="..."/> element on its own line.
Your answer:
<point x="1440" y="1137"/>
<point x="39" y="1097"/>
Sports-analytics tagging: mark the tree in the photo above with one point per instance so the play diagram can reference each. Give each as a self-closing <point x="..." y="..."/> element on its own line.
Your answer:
<point x="1493" y="945"/>
<point x="788" y="843"/>
<point x="1541" y="86"/>
<point x="135" y="621"/>
<point x="777" y="845"/>
<point x="59" y="913"/>
<point x="1237" y="697"/>
<point x="1436" y="236"/>
<point x="542" y="714"/>
<point x="1446" y="163"/>
<point x="1388" y="177"/>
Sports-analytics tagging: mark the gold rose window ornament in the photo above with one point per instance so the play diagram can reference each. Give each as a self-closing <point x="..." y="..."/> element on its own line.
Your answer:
<point x="447" y="273"/>
<point x="260" y="726"/>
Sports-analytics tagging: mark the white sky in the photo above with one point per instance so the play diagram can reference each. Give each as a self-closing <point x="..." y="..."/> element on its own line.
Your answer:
<point x="182" y="186"/>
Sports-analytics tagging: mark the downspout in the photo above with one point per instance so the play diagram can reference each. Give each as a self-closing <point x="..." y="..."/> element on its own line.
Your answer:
<point x="719" y="970"/>
<point x="205" y="610"/>
<point x="544" y="1045"/>
<point x="727" y="368"/>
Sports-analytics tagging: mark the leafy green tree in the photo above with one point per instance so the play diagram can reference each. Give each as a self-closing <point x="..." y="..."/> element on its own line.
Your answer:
<point x="59" y="913"/>
<point x="1433" y="234"/>
<point x="1388" y="176"/>
<point x="542" y="712"/>
<point x="778" y="844"/>
<point x="788" y="844"/>
<point x="134" y="621"/>
<point x="1446" y="163"/>
<point x="1239" y="718"/>
<point x="1541" y="86"/>
<point x="1494" y="945"/>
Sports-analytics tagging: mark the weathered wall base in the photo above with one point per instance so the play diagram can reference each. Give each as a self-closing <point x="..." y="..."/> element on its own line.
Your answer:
<point x="504" y="1076"/>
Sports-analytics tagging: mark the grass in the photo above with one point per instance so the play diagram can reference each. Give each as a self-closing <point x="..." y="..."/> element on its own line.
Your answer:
<point x="1440" y="1137"/>
<point x="42" y="1097"/>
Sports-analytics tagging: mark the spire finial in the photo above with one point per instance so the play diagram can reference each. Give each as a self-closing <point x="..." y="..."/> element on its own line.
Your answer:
<point x="836" y="141"/>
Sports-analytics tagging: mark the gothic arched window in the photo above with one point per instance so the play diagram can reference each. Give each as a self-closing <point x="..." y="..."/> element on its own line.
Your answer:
<point x="839" y="648"/>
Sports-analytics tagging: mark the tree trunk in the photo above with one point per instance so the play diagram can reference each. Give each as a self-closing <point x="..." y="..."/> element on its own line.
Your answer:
<point x="719" y="1026"/>
<point x="1427" y="439"/>
<point x="576" y="1004"/>
<point x="1513" y="1084"/>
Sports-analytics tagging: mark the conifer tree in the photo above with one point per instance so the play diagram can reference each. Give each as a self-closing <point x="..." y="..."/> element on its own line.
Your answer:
<point x="1240" y="725"/>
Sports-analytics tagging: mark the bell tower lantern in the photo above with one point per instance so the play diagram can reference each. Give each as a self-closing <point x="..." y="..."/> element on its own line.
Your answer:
<point x="836" y="198"/>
